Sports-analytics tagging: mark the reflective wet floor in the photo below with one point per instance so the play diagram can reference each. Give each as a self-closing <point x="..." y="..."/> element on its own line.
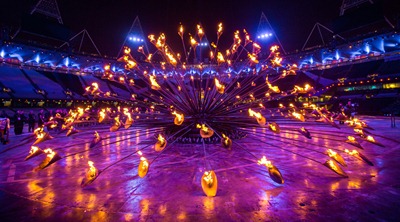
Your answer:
<point x="171" y="191"/>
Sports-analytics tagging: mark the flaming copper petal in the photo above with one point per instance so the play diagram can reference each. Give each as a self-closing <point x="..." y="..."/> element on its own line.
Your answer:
<point x="209" y="183"/>
<point x="332" y="165"/>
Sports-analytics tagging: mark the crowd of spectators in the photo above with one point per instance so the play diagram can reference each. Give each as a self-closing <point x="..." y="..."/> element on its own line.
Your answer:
<point x="32" y="121"/>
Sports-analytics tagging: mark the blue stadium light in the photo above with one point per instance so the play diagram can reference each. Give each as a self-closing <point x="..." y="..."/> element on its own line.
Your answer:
<point x="337" y="55"/>
<point x="367" y="48"/>
<point x="66" y="63"/>
<point x="135" y="39"/>
<point x="2" y="53"/>
<point x="264" y="35"/>
<point x="311" y="60"/>
<point x="37" y="59"/>
<point x="203" y="44"/>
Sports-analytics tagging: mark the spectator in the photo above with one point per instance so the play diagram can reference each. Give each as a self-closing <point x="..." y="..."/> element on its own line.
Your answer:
<point x="4" y="128"/>
<point x="41" y="118"/>
<point x="19" y="120"/>
<point x="349" y="110"/>
<point x="31" y="121"/>
<point x="340" y="112"/>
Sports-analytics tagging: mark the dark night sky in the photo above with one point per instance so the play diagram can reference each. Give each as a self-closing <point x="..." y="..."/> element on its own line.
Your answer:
<point x="108" y="21"/>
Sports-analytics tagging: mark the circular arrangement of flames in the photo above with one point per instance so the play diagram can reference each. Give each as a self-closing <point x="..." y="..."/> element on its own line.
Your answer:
<point x="219" y="102"/>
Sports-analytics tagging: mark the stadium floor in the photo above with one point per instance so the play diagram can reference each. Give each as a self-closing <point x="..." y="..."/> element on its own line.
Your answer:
<point x="171" y="190"/>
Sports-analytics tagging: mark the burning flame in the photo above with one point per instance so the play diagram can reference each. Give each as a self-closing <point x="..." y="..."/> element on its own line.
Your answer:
<point x="50" y="153"/>
<point x="39" y="133"/>
<point x="102" y="113"/>
<point x="275" y="89"/>
<point x="273" y="127"/>
<point x="371" y="139"/>
<point x="145" y="163"/>
<point x="252" y="57"/>
<point x="264" y="161"/>
<point x="225" y="139"/>
<point x="117" y="121"/>
<point x="219" y="31"/>
<point x="161" y="139"/>
<point x="332" y="165"/>
<point x="33" y="149"/>
<point x="359" y="131"/>
<point x="353" y="152"/>
<point x="180" y="32"/>
<point x="92" y="169"/>
<point x="200" y="31"/>
<point x="298" y="116"/>
<point x="276" y="62"/>
<point x="301" y="89"/>
<point x="193" y="42"/>
<point x="351" y="138"/>
<point x="255" y="114"/>
<point x="202" y="127"/>
<point x="127" y="50"/>
<point x="219" y="86"/>
<point x="154" y="84"/>
<point x="220" y="57"/>
<point x="179" y="117"/>
<point x="96" y="134"/>
<point x="274" y="48"/>
<point x="127" y="114"/>
<point x="331" y="153"/>
<point x="208" y="178"/>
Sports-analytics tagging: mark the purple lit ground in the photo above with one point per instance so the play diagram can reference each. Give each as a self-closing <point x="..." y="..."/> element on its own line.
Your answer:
<point x="171" y="190"/>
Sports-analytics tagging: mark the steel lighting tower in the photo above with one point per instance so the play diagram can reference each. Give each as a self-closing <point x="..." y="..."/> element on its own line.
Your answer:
<point x="48" y="8"/>
<point x="265" y="31"/>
